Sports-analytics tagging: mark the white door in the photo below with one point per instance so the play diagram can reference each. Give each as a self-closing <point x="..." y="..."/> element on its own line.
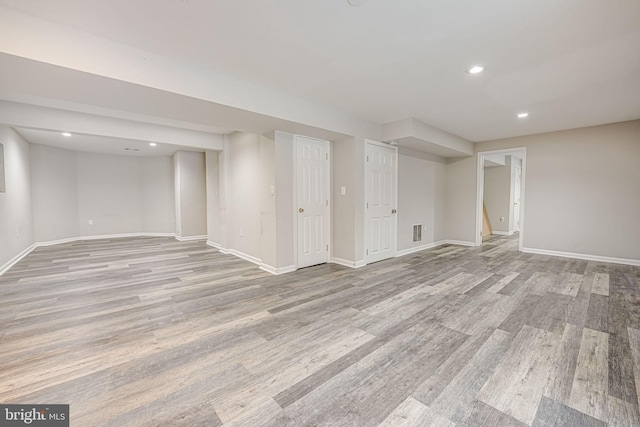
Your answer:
<point x="516" y="198"/>
<point x="380" y="202"/>
<point x="312" y="183"/>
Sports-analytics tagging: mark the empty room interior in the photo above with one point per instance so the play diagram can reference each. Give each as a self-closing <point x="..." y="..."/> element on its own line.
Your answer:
<point x="326" y="213"/>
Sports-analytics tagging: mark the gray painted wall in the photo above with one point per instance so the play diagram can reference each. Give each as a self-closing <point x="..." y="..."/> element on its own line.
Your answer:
<point x="54" y="185"/>
<point x="108" y="194"/>
<point x="120" y="194"/>
<point x="582" y="194"/>
<point x="285" y="210"/>
<point x="243" y="197"/>
<point x="158" y="195"/>
<point x="16" y="220"/>
<point x="267" y="181"/>
<point x="497" y="195"/>
<point x="214" y="218"/>
<point x="421" y="197"/>
<point x="190" y="193"/>
<point x="343" y="213"/>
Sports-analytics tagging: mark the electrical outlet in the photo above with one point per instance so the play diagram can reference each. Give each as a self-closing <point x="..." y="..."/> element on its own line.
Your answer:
<point x="90" y="222"/>
<point x="241" y="233"/>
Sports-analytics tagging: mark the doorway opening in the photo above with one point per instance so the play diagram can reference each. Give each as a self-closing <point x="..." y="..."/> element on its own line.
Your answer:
<point x="500" y="197"/>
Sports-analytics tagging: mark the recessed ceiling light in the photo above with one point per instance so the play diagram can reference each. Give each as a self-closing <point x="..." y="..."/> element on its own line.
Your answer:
<point x="356" y="2"/>
<point x="153" y="144"/>
<point x="475" y="69"/>
<point x="522" y="115"/>
<point x="66" y="134"/>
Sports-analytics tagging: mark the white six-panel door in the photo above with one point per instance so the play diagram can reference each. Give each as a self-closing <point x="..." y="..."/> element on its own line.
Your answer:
<point x="312" y="183"/>
<point x="380" y="202"/>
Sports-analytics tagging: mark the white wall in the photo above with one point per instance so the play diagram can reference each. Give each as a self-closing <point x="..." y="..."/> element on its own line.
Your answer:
<point x="16" y="220"/>
<point x="421" y="197"/>
<point x="157" y="195"/>
<point x="190" y="193"/>
<point x="54" y="184"/>
<point x="497" y="195"/>
<point x="109" y="194"/>
<point x="285" y="211"/>
<point x="343" y="206"/>
<point x="582" y="195"/>
<point x="214" y="218"/>
<point x="243" y="193"/>
<point x="461" y="199"/>
<point x="249" y="197"/>
<point x="267" y="182"/>
<point x="120" y="194"/>
<point x="2" y="181"/>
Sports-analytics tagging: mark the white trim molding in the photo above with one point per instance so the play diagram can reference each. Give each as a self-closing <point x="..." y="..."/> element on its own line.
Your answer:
<point x="459" y="243"/>
<point x="480" y="155"/>
<point x="502" y="233"/>
<point x="277" y="270"/>
<point x="214" y="245"/>
<point x="191" y="238"/>
<point x="343" y="262"/>
<point x="242" y="255"/>
<point x="586" y="257"/>
<point x="347" y="263"/>
<point x="106" y="236"/>
<point x="415" y="249"/>
<point x="13" y="261"/>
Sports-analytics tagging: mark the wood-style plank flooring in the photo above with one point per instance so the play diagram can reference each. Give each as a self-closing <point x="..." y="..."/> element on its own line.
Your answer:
<point x="156" y="332"/>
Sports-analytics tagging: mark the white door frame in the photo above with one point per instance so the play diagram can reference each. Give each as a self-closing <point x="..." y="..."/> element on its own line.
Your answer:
<point x="328" y="178"/>
<point x="480" y="191"/>
<point x="518" y="168"/>
<point x="366" y="223"/>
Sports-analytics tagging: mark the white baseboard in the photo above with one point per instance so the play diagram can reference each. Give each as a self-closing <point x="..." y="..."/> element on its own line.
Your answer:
<point x="419" y="248"/>
<point x="343" y="262"/>
<point x="242" y="255"/>
<point x="252" y="259"/>
<point x="586" y="257"/>
<point x="347" y="263"/>
<point x="13" y="261"/>
<point x="102" y="237"/>
<point x="459" y="243"/>
<point x="191" y="238"/>
<point x="120" y="236"/>
<point x="502" y="233"/>
<point x="214" y="244"/>
<point x="277" y="270"/>
<point x="57" y="242"/>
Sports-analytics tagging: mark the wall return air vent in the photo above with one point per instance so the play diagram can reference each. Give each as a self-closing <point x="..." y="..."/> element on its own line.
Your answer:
<point x="417" y="233"/>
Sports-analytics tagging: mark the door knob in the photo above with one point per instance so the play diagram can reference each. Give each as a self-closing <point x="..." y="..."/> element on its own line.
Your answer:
<point x="393" y="211"/>
<point x="300" y="210"/>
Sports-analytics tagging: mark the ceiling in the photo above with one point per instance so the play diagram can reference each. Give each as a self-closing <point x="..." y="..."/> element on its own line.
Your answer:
<point x="569" y="63"/>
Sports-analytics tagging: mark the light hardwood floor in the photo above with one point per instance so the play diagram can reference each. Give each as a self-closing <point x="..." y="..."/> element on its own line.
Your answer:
<point x="151" y="331"/>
